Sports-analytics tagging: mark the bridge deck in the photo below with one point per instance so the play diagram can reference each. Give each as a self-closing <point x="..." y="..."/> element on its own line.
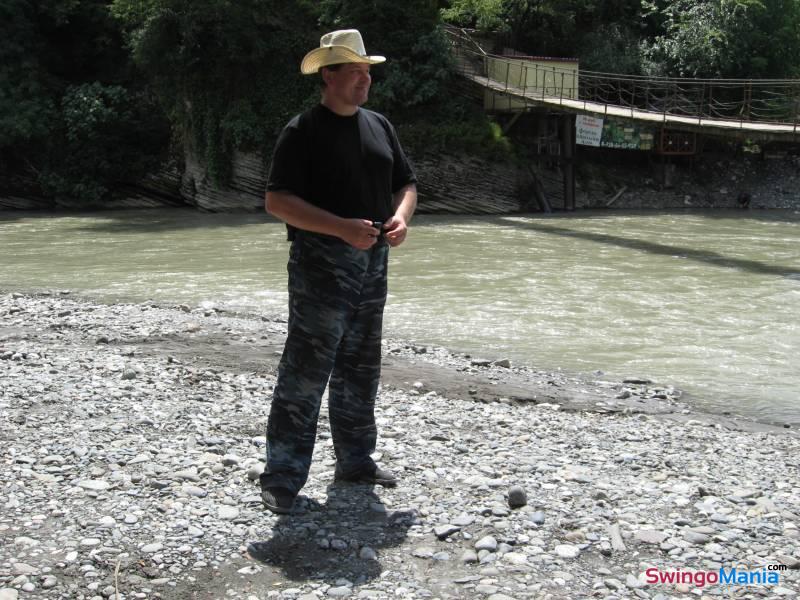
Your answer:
<point x="537" y="97"/>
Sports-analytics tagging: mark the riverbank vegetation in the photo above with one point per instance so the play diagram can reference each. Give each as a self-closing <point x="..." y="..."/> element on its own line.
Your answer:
<point x="98" y="92"/>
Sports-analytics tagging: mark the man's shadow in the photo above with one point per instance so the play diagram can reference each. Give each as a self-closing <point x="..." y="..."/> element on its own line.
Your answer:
<point x="341" y="539"/>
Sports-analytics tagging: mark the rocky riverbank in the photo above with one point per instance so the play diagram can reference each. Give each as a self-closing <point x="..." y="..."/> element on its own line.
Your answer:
<point x="132" y="436"/>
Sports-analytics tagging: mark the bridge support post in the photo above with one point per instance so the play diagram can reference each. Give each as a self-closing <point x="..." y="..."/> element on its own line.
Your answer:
<point x="568" y="159"/>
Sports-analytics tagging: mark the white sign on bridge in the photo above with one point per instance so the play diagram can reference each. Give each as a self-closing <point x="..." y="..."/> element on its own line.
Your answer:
<point x="588" y="130"/>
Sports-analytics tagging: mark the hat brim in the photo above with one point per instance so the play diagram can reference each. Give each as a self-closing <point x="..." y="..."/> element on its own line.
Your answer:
<point x="334" y="55"/>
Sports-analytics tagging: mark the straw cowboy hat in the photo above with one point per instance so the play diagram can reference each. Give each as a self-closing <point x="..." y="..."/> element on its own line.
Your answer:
<point x="336" y="47"/>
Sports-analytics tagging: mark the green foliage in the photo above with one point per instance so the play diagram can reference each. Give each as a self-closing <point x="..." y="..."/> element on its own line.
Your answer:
<point x="724" y="38"/>
<point x="693" y="38"/>
<point x="598" y="32"/>
<point x="409" y="35"/>
<point x="484" y="15"/>
<point x="227" y="72"/>
<point x="71" y="115"/>
<point x="454" y="125"/>
<point x="611" y="48"/>
<point x="108" y="137"/>
<point x="25" y="103"/>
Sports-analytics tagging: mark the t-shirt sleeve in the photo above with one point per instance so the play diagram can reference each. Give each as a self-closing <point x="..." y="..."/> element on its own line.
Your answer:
<point x="402" y="171"/>
<point x="288" y="171"/>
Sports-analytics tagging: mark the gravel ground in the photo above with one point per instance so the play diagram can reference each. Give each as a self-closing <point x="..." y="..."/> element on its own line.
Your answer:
<point x="132" y="437"/>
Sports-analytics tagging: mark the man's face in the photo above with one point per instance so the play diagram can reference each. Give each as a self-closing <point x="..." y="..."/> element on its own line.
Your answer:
<point x="349" y="84"/>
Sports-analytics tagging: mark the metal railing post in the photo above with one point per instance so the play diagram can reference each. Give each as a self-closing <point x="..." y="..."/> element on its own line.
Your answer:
<point x="585" y="95"/>
<point x="748" y="95"/>
<point x="575" y="90"/>
<point x="524" y="82"/>
<point x="700" y="107"/>
<point x="561" y="94"/>
<point x="544" y="82"/>
<point x="710" y="99"/>
<point x="674" y="96"/>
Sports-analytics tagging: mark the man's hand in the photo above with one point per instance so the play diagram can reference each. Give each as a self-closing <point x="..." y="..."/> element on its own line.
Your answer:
<point x="359" y="233"/>
<point x="395" y="230"/>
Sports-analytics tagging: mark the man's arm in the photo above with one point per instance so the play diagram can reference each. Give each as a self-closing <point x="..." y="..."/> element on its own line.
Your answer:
<point x="404" y="203"/>
<point x="295" y="211"/>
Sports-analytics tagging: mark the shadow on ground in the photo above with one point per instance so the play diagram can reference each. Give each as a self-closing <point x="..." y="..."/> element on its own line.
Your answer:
<point x="340" y="539"/>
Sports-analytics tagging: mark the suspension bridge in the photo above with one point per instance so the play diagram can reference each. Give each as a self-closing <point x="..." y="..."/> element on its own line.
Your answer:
<point x="666" y="115"/>
<point x="762" y="108"/>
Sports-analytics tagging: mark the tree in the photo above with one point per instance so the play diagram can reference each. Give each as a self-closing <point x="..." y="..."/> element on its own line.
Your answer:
<point x="409" y="35"/>
<point x="227" y="71"/>
<point x="692" y="38"/>
<point x="53" y="53"/>
<point x="599" y="33"/>
<point x="724" y="38"/>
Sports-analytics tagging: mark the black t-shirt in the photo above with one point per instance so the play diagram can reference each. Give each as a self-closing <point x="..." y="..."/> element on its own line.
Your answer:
<point x="350" y="166"/>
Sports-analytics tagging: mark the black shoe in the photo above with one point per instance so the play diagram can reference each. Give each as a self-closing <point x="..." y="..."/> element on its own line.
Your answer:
<point x="373" y="475"/>
<point x="277" y="499"/>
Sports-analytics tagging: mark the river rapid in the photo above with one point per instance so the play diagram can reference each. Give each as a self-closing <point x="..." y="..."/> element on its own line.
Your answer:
<point x="707" y="302"/>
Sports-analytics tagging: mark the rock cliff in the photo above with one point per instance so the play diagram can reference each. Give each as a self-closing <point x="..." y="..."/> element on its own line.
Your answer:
<point x="448" y="184"/>
<point x="464" y="184"/>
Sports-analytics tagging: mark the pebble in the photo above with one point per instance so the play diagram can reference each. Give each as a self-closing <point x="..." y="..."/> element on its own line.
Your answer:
<point x="94" y="485"/>
<point x="517" y="497"/>
<point x="444" y="531"/>
<point x="195" y="491"/>
<point x="567" y="551"/>
<point x="228" y="513"/>
<point x="694" y="537"/>
<point x="613" y="584"/>
<point x="23" y="569"/>
<point x="789" y="561"/>
<point x="254" y="472"/>
<point x="515" y="558"/>
<point x="159" y="472"/>
<point x="783" y="591"/>
<point x="230" y="460"/>
<point x="486" y="543"/>
<point x="650" y="536"/>
<point x="633" y="582"/>
<point x="537" y="517"/>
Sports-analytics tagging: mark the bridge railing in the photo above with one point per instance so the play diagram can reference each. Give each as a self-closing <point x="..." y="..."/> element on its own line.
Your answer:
<point x="773" y="101"/>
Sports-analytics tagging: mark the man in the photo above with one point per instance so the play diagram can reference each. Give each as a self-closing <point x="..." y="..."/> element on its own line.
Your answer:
<point x="341" y="182"/>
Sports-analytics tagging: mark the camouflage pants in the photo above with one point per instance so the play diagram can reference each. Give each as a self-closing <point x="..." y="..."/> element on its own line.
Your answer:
<point x="336" y="299"/>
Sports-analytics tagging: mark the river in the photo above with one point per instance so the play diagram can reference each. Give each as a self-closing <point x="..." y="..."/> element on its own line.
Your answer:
<point x="707" y="302"/>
